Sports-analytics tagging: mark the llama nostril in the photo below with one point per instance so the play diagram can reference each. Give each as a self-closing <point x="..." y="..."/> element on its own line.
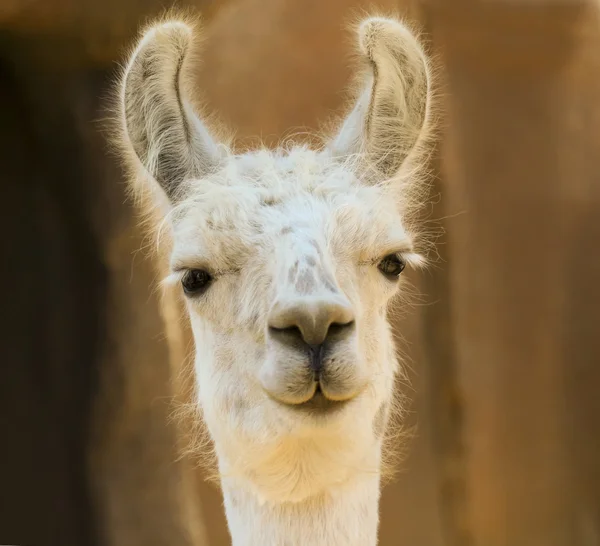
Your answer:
<point x="290" y="335"/>
<point x="337" y="329"/>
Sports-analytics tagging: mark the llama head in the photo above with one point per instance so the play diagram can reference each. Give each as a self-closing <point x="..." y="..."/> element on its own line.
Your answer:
<point x="287" y="260"/>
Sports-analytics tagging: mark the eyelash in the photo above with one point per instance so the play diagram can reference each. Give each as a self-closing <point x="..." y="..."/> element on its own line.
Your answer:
<point x="375" y="261"/>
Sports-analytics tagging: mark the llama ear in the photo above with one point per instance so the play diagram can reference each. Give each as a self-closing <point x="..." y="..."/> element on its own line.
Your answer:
<point x="159" y="125"/>
<point x="389" y="118"/>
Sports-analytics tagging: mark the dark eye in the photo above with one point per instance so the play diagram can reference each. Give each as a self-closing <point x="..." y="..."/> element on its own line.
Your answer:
<point x="392" y="265"/>
<point x="195" y="281"/>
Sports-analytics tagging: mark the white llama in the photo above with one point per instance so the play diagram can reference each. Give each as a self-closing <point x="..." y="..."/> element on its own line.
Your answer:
<point x="288" y="260"/>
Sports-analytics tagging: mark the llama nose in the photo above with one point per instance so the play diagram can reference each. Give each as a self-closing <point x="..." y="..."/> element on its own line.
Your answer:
<point x="311" y="321"/>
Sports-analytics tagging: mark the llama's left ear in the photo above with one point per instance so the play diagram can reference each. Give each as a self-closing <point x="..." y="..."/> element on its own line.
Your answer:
<point x="160" y="129"/>
<point x="390" y="116"/>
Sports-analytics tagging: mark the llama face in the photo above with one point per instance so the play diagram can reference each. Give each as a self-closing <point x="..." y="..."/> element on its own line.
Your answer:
<point x="277" y="241"/>
<point x="287" y="261"/>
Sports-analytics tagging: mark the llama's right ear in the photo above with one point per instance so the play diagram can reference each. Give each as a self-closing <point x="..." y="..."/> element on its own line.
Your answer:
<point x="159" y="125"/>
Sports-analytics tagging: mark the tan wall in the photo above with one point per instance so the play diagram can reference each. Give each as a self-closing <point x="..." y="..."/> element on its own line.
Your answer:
<point x="503" y="348"/>
<point x="520" y="167"/>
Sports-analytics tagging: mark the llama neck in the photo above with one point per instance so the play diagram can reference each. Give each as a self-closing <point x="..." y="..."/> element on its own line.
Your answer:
<point x="347" y="516"/>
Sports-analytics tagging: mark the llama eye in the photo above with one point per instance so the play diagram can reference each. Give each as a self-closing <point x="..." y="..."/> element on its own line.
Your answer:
<point x="195" y="281"/>
<point x="392" y="265"/>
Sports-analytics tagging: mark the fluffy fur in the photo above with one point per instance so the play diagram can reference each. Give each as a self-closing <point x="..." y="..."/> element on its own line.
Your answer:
<point x="293" y="229"/>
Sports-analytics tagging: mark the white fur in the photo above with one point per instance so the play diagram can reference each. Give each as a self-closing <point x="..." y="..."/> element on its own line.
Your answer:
<point x="290" y="226"/>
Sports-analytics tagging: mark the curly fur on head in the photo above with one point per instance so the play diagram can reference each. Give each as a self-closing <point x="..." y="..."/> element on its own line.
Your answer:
<point x="297" y="235"/>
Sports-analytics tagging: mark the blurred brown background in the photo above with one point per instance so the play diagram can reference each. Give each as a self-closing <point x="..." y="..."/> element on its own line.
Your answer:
<point x="504" y="340"/>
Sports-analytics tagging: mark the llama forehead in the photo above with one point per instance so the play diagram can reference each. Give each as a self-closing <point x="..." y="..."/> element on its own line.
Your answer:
<point x="261" y="199"/>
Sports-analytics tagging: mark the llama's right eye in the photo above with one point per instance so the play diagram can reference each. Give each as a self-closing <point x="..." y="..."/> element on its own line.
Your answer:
<point x="195" y="281"/>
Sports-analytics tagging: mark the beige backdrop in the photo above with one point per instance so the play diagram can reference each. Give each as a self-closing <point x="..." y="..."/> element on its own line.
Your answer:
<point x="502" y="342"/>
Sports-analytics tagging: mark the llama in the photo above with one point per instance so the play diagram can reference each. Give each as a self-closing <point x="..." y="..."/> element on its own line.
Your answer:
<point x="288" y="260"/>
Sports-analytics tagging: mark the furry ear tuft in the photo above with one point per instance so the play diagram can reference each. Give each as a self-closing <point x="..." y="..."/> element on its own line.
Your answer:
<point x="159" y="125"/>
<point x="390" y="116"/>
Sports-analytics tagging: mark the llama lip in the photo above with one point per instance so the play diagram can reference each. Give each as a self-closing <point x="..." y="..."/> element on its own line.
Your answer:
<point x="320" y="404"/>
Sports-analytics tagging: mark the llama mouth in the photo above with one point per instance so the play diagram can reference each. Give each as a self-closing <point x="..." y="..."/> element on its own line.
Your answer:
<point x="320" y="404"/>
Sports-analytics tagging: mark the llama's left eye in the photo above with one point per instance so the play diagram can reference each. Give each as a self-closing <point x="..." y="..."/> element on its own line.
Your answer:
<point x="195" y="281"/>
<point x="391" y="266"/>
